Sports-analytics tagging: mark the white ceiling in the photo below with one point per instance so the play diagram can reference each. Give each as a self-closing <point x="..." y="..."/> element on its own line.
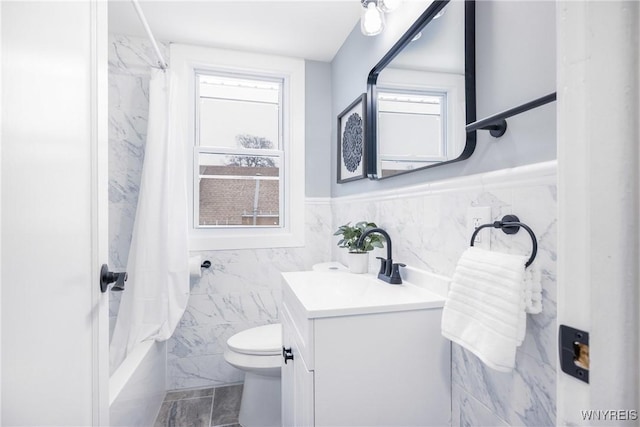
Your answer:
<point x="310" y="29"/>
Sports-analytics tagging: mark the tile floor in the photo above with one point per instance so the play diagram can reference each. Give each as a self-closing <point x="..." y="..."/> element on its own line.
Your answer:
<point x="207" y="407"/>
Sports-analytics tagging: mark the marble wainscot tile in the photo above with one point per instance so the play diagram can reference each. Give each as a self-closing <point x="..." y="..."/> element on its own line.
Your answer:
<point x="541" y="337"/>
<point x="469" y="373"/>
<point x="218" y="277"/>
<point x="525" y="396"/>
<point x="534" y="399"/>
<point x="353" y="210"/>
<point x="278" y="260"/>
<point x="247" y="270"/>
<point x="241" y="289"/>
<point x="231" y="272"/>
<point x="407" y="230"/>
<point x="536" y="207"/>
<point x="229" y="308"/>
<point x="469" y="412"/>
<point x="202" y="371"/>
<point x="198" y="340"/>
<point x="133" y="55"/>
<point x="195" y="351"/>
<point x="319" y="230"/>
<point x="127" y="134"/>
<point x="206" y="339"/>
<point x="128" y="112"/>
<point x="128" y="97"/>
<point x="446" y="239"/>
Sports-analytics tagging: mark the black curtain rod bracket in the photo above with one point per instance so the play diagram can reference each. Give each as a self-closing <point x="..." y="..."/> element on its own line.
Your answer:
<point x="497" y="125"/>
<point x="497" y="129"/>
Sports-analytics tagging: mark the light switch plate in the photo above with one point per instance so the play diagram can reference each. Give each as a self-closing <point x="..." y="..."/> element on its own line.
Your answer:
<point x="477" y="216"/>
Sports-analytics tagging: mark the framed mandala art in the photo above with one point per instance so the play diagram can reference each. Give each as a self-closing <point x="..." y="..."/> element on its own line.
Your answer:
<point x="351" y="131"/>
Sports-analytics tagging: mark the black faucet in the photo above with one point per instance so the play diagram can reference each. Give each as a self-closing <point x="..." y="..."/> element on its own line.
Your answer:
<point x="389" y="272"/>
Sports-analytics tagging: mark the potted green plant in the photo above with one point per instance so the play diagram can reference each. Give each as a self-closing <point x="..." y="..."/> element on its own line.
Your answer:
<point x="358" y="258"/>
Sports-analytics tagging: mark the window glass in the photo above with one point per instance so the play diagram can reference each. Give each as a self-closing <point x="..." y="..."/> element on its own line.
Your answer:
<point x="239" y="151"/>
<point x="239" y="190"/>
<point x="419" y="118"/>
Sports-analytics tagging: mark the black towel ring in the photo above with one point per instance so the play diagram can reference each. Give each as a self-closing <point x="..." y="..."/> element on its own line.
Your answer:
<point x="511" y="224"/>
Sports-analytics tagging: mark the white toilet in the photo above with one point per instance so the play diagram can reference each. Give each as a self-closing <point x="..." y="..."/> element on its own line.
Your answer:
<point x="258" y="352"/>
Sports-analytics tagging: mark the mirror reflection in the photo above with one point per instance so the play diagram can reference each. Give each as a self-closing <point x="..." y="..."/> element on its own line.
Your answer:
<point x="419" y="106"/>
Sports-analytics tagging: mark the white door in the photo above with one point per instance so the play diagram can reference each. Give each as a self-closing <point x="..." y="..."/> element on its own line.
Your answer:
<point x="54" y="207"/>
<point x="598" y="198"/>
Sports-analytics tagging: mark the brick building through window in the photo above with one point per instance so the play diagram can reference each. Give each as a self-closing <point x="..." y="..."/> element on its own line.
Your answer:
<point x="237" y="196"/>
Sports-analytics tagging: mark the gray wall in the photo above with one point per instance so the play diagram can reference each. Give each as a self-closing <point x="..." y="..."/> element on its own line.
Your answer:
<point x="317" y="129"/>
<point x="515" y="44"/>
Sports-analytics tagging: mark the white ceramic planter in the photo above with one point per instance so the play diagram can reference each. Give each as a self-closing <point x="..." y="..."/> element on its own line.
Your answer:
<point x="358" y="262"/>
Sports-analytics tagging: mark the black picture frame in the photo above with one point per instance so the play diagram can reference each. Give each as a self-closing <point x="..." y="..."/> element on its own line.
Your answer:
<point x="352" y="127"/>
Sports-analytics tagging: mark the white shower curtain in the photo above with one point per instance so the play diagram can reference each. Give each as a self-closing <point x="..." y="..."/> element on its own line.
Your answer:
<point x="157" y="289"/>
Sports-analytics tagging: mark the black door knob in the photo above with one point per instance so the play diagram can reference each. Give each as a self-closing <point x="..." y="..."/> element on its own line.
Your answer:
<point x="287" y="354"/>
<point x="107" y="277"/>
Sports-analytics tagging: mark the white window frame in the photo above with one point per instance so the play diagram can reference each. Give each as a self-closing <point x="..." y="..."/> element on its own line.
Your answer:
<point x="185" y="62"/>
<point x="277" y="152"/>
<point x="451" y="84"/>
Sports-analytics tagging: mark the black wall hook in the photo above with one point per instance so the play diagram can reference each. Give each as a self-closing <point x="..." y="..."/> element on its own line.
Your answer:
<point x="510" y="224"/>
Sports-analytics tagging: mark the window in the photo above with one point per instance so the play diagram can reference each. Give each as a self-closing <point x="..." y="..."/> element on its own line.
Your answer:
<point x="420" y="117"/>
<point x="245" y="144"/>
<point x="429" y="109"/>
<point x="238" y="151"/>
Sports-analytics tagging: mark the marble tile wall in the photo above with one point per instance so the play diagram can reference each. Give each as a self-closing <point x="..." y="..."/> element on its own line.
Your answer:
<point x="429" y="231"/>
<point x="130" y="59"/>
<point x="240" y="290"/>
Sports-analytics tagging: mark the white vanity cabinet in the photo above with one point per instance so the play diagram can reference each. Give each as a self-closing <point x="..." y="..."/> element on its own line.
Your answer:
<point x="365" y="353"/>
<point x="297" y="380"/>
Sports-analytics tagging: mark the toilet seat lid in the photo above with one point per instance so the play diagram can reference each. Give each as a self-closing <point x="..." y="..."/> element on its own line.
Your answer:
<point x="262" y="340"/>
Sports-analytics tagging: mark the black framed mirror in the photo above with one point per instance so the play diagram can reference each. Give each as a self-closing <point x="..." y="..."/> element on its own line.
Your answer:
<point x="422" y="94"/>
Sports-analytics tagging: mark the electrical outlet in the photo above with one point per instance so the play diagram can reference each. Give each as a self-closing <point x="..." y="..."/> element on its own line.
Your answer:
<point x="477" y="216"/>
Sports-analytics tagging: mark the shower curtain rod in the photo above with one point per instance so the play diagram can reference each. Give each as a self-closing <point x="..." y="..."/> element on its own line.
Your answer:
<point x="161" y="62"/>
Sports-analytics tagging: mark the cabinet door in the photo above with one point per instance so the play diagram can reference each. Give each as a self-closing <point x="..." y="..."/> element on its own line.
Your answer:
<point x="297" y="383"/>
<point x="304" y="394"/>
<point x="288" y="379"/>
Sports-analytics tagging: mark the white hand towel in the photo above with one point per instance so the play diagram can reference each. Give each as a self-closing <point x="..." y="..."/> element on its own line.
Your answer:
<point x="485" y="311"/>
<point x="533" y="290"/>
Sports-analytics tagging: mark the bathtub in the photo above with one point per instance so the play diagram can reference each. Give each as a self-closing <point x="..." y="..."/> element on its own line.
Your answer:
<point x="138" y="386"/>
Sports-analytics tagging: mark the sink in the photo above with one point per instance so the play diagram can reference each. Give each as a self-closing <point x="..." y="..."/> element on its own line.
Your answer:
<point x="340" y="293"/>
<point x="342" y="335"/>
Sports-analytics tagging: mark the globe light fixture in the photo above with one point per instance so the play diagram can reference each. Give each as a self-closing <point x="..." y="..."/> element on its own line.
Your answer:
<point x="372" y="20"/>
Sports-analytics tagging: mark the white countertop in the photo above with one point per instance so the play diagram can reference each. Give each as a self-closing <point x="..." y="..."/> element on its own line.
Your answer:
<point x="340" y="293"/>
